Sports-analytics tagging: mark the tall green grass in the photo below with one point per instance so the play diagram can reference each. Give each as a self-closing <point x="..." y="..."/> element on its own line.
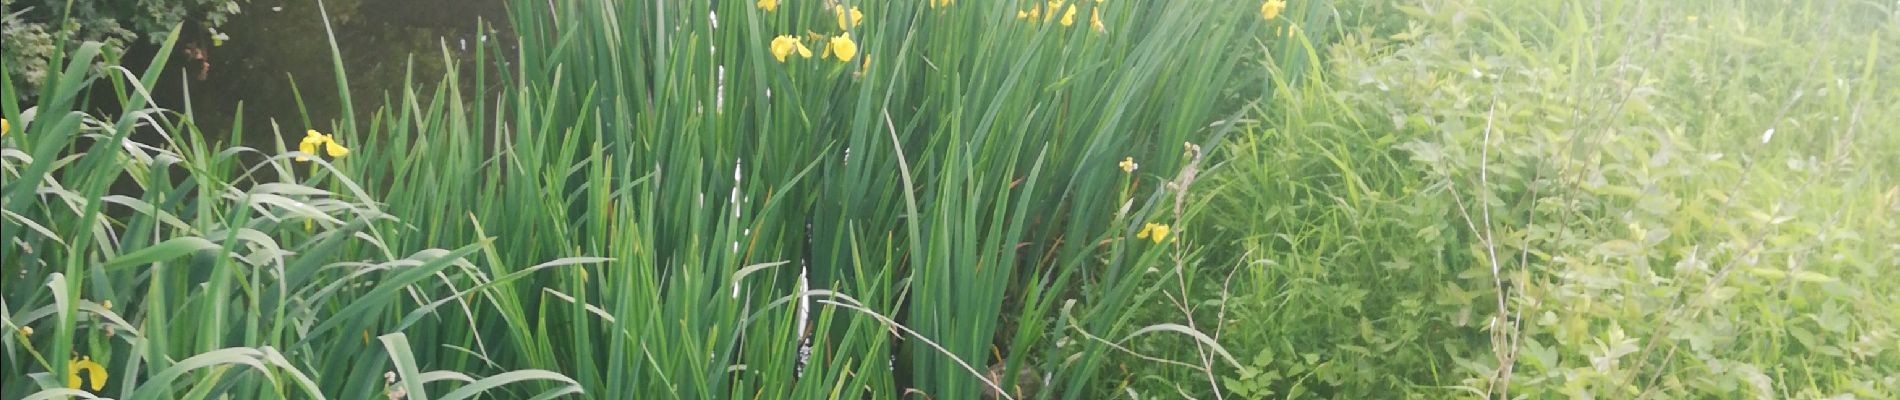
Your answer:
<point x="187" y="272"/>
<point x="651" y="206"/>
<point x="961" y="185"/>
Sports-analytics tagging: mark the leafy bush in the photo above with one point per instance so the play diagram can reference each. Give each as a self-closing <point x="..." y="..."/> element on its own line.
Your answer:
<point x="33" y="30"/>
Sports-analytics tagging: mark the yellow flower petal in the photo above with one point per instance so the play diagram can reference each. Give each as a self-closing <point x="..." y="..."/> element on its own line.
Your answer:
<point x="846" y="23"/>
<point x="1271" y="9"/>
<point x="94" y="373"/>
<point x="311" y="139"/>
<point x="1095" y="20"/>
<point x="1160" y="232"/>
<point x="768" y="5"/>
<point x="72" y="374"/>
<point x="1128" y="165"/>
<point x="5" y="127"/>
<point x="335" y="150"/>
<point x="843" y="47"/>
<point x="1068" y="17"/>
<point x="783" y="46"/>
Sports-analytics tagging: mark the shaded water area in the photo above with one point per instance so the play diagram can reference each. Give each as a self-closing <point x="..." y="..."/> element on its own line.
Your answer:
<point x="274" y="43"/>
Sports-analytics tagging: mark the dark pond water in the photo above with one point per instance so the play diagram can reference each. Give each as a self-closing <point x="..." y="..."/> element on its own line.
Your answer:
<point x="276" y="41"/>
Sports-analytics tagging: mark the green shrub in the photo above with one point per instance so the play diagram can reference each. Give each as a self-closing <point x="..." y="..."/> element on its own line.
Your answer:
<point x="33" y="30"/>
<point x="1688" y="200"/>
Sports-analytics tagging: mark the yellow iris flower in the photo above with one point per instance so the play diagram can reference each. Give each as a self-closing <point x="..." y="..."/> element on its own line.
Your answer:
<point x="94" y="373"/>
<point x="1272" y="8"/>
<point x="768" y="5"/>
<point x="333" y="149"/>
<point x="1063" y="9"/>
<point x="1034" y="14"/>
<point x="1128" y="165"/>
<point x="849" y="18"/>
<point x="312" y="139"/>
<point x="1155" y="232"/>
<point x="843" y="47"/>
<point x="784" y="45"/>
<point x="5" y="127"/>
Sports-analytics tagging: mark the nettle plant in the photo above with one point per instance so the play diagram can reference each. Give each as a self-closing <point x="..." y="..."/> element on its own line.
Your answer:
<point x="1609" y="206"/>
<point x="1626" y="230"/>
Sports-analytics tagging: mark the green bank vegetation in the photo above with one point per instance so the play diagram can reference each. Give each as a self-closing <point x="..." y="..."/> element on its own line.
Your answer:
<point x="953" y="200"/>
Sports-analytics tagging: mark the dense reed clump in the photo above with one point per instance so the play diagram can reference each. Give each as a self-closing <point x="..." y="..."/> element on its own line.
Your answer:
<point x="675" y="198"/>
